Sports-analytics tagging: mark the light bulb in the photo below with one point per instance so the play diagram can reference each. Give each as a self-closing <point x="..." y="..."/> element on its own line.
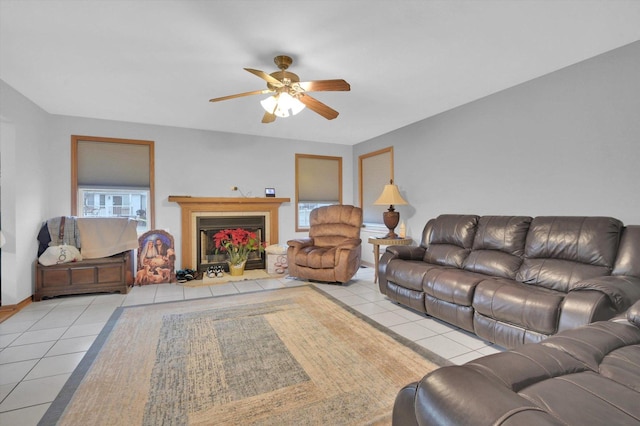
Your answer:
<point x="282" y="105"/>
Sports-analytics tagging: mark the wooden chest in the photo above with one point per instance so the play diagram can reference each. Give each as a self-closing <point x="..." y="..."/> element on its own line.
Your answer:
<point x="104" y="275"/>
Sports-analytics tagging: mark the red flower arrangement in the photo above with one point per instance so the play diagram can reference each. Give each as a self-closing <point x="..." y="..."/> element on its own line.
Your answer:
<point x="237" y="243"/>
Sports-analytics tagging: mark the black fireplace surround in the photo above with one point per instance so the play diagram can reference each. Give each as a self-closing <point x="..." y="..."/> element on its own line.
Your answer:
<point x="208" y="226"/>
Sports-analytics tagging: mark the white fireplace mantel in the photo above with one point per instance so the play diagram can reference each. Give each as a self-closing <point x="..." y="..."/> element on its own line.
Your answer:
<point x="192" y="207"/>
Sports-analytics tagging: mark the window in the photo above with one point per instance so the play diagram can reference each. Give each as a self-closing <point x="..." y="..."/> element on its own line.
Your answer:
<point x="318" y="183"/>
<point x="376" y="170"/>
<point x="112" y="178"/>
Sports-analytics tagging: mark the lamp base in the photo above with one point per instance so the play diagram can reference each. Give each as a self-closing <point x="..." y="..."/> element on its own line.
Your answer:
<point x="391" y="219"/>
<point x="391" y="236"/>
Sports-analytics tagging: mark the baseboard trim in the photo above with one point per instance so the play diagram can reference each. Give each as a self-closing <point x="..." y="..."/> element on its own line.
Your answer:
<point x="9" y="310"/>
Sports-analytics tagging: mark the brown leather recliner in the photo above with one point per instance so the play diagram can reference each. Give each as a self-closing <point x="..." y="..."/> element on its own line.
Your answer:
<point x="332" y="252"/>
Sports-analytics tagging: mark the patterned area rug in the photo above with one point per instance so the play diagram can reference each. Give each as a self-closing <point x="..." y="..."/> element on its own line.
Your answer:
<point x="280" y="357"/>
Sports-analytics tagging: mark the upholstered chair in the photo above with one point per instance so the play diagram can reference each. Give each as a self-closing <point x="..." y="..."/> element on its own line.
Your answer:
<point x="332" y="252"/>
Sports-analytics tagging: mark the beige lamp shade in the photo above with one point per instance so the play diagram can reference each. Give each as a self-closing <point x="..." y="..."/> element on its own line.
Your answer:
<point x="390" y="195"/>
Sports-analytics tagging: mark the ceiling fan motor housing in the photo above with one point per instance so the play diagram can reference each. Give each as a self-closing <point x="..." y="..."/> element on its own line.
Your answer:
<point x="283" y="61"/>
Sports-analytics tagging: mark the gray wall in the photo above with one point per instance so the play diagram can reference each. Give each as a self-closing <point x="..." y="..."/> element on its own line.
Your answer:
<point x="567" y="143"/>
<point x="25" y="183"/>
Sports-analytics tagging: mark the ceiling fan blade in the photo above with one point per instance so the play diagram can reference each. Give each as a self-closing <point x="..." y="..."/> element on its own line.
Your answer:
<point x="268" y="117"/>
<point x="317" y="106"/>
<point x="263" y="75"/>
<point x="325" y="85"/>
<point x="239" y="95"/>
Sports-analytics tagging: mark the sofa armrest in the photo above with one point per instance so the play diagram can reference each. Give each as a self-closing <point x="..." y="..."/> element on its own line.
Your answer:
<point x="584" y="307"/>
<point x="623" y="291"/>
<point x="404" y="413"/>
<point x="406" y="252"/>
<point x="461" y="395"/>
<point x="396" y="252"/>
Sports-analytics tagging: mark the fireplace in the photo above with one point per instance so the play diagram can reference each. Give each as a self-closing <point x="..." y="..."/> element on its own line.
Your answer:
<point x="208" y="226"/>
<point x="195" y="209"/>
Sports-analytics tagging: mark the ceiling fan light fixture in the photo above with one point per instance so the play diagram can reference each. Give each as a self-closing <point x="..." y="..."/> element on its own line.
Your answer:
<point x="287" y="91"/>
<point x="282" y="105"/>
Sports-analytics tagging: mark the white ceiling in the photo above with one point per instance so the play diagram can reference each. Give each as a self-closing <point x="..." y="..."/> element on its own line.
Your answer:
<point x="160" y="61"/>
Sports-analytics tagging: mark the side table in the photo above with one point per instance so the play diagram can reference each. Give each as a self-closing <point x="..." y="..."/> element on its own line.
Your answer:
<point x="377" y="242"/>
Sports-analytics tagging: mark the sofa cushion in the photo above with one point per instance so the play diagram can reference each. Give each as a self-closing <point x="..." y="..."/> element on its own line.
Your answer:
<point x="596" y="342"/>
<point x="559" y="275"/>
<point x="493" y="262"/>
<point x="530" y="307"/>
<point x="498" y="245"/>
<point x="316" y="257"/>
<point x="409" y="273"/>
<point x="562" y="250"/>
<point x="586" y="398"/>
<point x="517" y="370"/>
<point x="451" y="239"/>
<point x="452" y="285"/>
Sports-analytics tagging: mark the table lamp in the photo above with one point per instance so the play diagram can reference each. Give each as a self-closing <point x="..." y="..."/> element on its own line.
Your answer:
<point x="390" y="195"/>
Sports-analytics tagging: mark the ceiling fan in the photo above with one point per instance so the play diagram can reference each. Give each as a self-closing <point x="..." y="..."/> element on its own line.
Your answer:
<point x="290" y="95"/>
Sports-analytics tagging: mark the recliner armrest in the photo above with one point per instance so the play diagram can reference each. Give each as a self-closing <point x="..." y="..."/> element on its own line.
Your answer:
<point x="349" y="244"/>
<point x="622" y="290"/>
<point x="299" y="243"/>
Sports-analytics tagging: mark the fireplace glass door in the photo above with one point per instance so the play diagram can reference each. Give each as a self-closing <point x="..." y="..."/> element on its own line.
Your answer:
<point x="207" y="227"/>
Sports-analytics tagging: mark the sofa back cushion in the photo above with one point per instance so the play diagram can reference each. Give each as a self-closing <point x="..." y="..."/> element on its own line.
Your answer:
<point x="628" y="258"/>
<point x="562" y="250"/>
<point x="498" y="246"/>
<point x="451" y="239"/>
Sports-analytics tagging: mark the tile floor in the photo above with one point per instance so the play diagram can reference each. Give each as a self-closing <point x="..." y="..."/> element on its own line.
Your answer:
<point x="42" y="344"/>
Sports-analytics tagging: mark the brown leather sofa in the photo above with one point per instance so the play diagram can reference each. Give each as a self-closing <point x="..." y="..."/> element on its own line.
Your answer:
<point x="332" y="252"/>
<point x="515" y="279"/>
<point x="586" y="376"/>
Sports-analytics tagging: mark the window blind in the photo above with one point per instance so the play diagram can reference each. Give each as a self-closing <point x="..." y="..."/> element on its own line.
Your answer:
<point x="107" y="164"/>
<point x="318" y="179"/>
<point x="376" y="173"/>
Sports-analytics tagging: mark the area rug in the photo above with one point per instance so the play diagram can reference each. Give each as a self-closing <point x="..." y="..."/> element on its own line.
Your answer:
<point x="279" y="357"/>
<point x="251" y="274"/>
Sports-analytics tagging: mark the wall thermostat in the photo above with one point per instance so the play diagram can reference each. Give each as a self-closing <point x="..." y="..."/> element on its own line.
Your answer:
<point x="270" y="192"/>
